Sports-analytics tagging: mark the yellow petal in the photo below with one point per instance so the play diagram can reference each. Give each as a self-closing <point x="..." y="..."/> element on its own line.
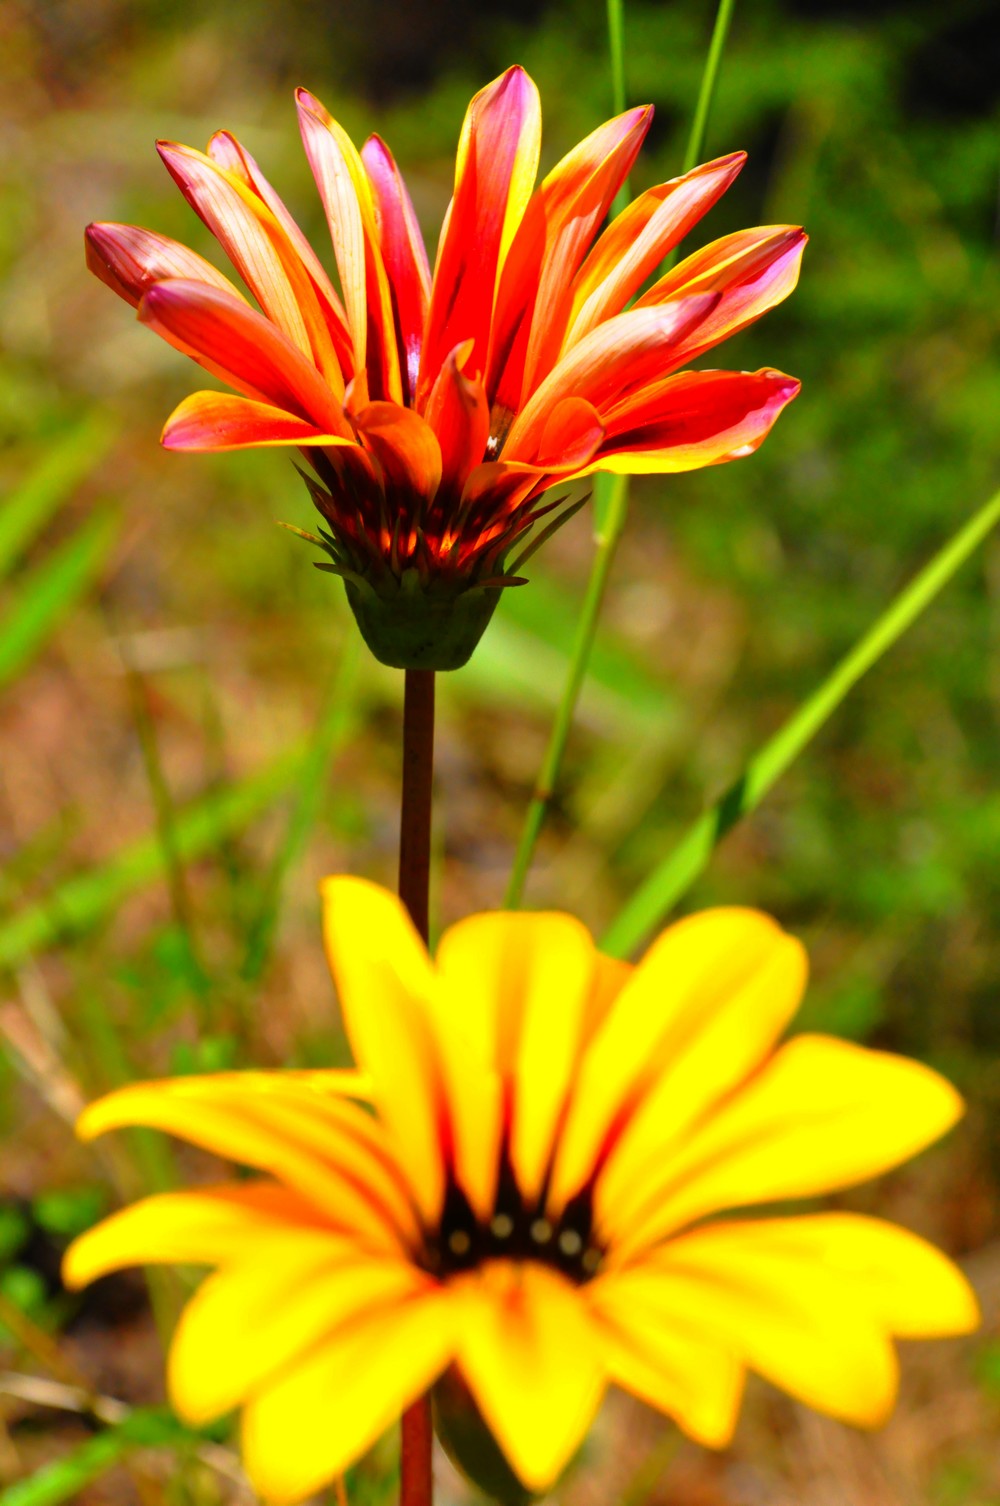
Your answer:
<point x="531" y="1355"/>
<point x="327" y="1410"/>
<point x="385" y="981"/>
<point x="330" y="1151"/>
<point x="909" y="1288"/>
<point x="699" y="1011"/>
<point x="194" y="1228"/>
<point x="822" y="1114"/>
<point x="518" y="987"/>
<point x="780" y="1312"/>
<point x="254" y="1318"/>
<point x="696" y="1381"/>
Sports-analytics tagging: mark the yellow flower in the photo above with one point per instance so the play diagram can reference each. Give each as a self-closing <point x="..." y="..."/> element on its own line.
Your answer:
<point x="535" y="1200"/>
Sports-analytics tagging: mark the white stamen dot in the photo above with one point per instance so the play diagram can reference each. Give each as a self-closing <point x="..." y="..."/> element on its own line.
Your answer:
<point x="459" y="1242"/>
<point x="541" y="1231"/>
<point x="501" y="1226"/>
<point x="570" y="1242"/>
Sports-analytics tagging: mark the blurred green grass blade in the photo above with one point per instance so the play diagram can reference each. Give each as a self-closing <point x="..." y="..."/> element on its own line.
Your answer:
<point x="26" y="510"/>
<point x="45" y="594"/>
<point x="84" y="900"/>
<point x="63" y="1479"/>
<point x="332" y="731"/>
<point x="674" y="876"/>
<point x="709" y="80"/>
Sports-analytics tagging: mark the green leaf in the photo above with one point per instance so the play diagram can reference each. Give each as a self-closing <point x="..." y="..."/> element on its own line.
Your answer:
<point x="41" y="493"/>
<point x="48" y="592"/>
<point x="671" y="879"/>
<point x="87" y="898"/>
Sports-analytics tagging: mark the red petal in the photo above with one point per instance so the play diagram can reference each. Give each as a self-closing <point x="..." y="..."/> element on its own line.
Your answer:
<point x="551" y="241"/>
<point x="247" y="348"/>
<point x="129" y="259"/>
<point x="572" y="433"/>
<point x="495" y="172"/>
<point x="405" y="448"/>
<point x="220" y="421"/>
<point x="402" y="251"/>
<point x="459" y="414"/>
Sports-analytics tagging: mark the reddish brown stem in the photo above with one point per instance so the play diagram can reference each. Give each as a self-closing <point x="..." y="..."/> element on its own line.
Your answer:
<point x="416" y="1486"/>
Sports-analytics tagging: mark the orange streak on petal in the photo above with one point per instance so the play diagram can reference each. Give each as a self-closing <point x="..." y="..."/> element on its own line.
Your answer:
<point x="640" y="237"/>
<point x="405" y="447"/>
<point x="495" y="171"/>
<point x="533" y="298"/>
<point x="346" y="193"/>
<point x="459" y="414"/>
<point x="220" y="421"/>
<point x="235" y="338"/>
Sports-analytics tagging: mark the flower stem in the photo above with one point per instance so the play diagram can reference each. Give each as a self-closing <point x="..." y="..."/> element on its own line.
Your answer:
<point x="416" y="1487"/>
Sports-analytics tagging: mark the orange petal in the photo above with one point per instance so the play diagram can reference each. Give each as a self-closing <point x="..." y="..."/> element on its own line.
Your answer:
<point x="260" y="250"/>
<point x="220" y="421"/>
<point x="750" y="272"/>
<point x="129" y="259"/>
<point x="572" y="433"/>
<point x="459" y="414"/>
<point x="345" y="190"/>
<point x="494" y="176"/>
<point x="405" y="447"/>
<point x="245" y="345"/>
<point x="623" y="353"/>
<point x="638" y="240"/>
<point x="403" y="253"/>
<point x="533" y="296"/>
<point x="695" y="419"/>
<point x="329" y="1151"/>
<point x="232" y="154"/>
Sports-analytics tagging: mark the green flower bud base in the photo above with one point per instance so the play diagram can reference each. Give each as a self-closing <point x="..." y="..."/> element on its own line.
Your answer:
<point x="410" y="623"/>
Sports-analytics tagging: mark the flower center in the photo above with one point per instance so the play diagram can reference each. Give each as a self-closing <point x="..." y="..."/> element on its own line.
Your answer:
<point x="515" y="1230"/>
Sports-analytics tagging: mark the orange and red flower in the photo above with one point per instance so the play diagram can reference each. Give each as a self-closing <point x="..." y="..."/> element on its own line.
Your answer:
<point x="437" y="410"/>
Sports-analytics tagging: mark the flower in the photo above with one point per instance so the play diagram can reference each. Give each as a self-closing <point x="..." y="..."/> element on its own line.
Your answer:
<point x="437" y="410"/>
<point x="536" y="1201"/>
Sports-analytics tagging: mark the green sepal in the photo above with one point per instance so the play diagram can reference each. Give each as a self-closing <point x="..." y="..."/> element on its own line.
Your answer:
<point x="471" y="1446"/>
<point x="410" y="623"/>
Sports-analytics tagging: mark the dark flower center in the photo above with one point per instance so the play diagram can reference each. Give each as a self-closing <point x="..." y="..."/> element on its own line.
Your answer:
<point x="516" y="1230"/>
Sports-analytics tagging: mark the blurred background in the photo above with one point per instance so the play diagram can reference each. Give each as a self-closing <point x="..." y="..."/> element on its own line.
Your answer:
<point x="189" y="737"/>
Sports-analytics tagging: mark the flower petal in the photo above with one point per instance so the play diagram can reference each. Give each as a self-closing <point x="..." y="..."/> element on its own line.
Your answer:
<point x="257" y="1317"/>
<point x="459" y="414"/>
<point x="530" y="1353"/>
<point x="346" y="192"/>
<point x="406" y="449"/>
<point x="259" y="247"/>
<point x="822" y="1114"/>
<point x="494" y="175"/>
<point x="619" y="356"/>
<point x="128" y="260"/>
<point x="207" y="1227"/>
<point x="384" y="982"/>
<point x="698" y="1013"/>
<point x="778" y="1310"/>
<point x="533" y="295"/>
<point x="752" y="271"/>
<point x="655" y="1355"/>
<point x="516" y="987"/>
<point x="694" y="419"/>
<point x="403" y="253"/>
<point x="640" y="237"/>
<point x="328" y="1150"/>
<point x="327" y="1410"/>
<point x="232" y="154"/>
<point x="220" y="421"/>
<point x="254" y="355"/>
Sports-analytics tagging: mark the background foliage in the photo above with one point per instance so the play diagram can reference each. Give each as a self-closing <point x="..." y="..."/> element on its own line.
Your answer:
<point x="188" y="739"/>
